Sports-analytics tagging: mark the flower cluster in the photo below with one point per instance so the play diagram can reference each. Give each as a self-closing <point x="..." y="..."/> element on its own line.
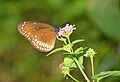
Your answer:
<point x="66" y="31"/>
<point x="90" y="52"/>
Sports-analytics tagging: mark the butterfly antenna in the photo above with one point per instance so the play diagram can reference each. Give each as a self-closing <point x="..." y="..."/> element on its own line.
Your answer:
<point x="63" y="22"/>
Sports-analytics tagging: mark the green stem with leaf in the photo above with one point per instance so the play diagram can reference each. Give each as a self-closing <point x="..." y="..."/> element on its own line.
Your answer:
<point x="69" y="43"/>
<point x="77" y="63"/>
<point x="80" y="68"/>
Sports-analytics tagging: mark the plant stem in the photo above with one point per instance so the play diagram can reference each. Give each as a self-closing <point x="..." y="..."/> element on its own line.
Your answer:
<point x="72" y="77"/>
<point x="65" y="42"/>
<point x="77" y="63"/>
<point x="98" y="80"/>
<point x="70" y="43"/>
<point x="91" y="58"/>
<point x="80" y="68"/>
<point x="62" y="39"/>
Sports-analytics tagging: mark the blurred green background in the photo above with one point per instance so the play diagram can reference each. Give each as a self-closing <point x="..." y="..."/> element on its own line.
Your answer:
<point x="97" y="21"/>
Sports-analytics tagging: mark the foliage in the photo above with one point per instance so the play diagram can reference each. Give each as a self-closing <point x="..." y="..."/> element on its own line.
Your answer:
<point x="74" y="58"/>
<point x="106" y="74"/>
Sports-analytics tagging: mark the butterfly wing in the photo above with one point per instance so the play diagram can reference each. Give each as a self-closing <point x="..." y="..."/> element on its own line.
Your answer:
<point x="44" y="40"/>
<point x="41" y="35"/>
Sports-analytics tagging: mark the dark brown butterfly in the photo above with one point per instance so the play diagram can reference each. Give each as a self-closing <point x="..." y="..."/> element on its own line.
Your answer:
<point x="41" y="35"/>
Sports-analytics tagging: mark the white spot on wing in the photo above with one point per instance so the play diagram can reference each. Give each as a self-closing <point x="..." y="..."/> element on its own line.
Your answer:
<point x="28" y="32"/>
<point x="35" y="36"/>
<point x="21" y="27"/>
<point x="37" y="46"/>
<point x="35" y="40"/>
<point x="34" y="23"/>
<point x="29" y="39"/>
<point x="24" y="24"/>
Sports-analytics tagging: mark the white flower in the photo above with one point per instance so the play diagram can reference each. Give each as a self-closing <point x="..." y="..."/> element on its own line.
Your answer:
<point x="66" y="31"/>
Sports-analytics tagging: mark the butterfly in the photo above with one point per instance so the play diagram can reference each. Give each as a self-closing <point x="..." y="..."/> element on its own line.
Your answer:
<point x="42" y="36"/>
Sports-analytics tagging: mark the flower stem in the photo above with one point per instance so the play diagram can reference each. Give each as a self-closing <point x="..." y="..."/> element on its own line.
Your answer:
<point x="80" y="68"/>
<point x="70" y="43"/>
<point x="77" y="63"/>
<point x="72" y="77"/>
<point x="98" y="80"/>
<point x="91" y="58"/>
<point x="65" y="42"/>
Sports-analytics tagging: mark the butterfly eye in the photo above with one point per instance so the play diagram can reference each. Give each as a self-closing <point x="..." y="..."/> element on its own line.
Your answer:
<point x="41" y="35"/>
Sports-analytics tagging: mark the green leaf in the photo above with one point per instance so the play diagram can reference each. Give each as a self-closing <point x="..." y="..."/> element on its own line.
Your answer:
<point x="80" y="60"/>
<point x="73" y="53"/>
<point x="79" y="50"/>
<point x="67" y="47"/>
<point x="106" y="74"/>
<point x="69" y="62"/>
<point x="78" y="40"/>
<point x="53" y="51"/>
